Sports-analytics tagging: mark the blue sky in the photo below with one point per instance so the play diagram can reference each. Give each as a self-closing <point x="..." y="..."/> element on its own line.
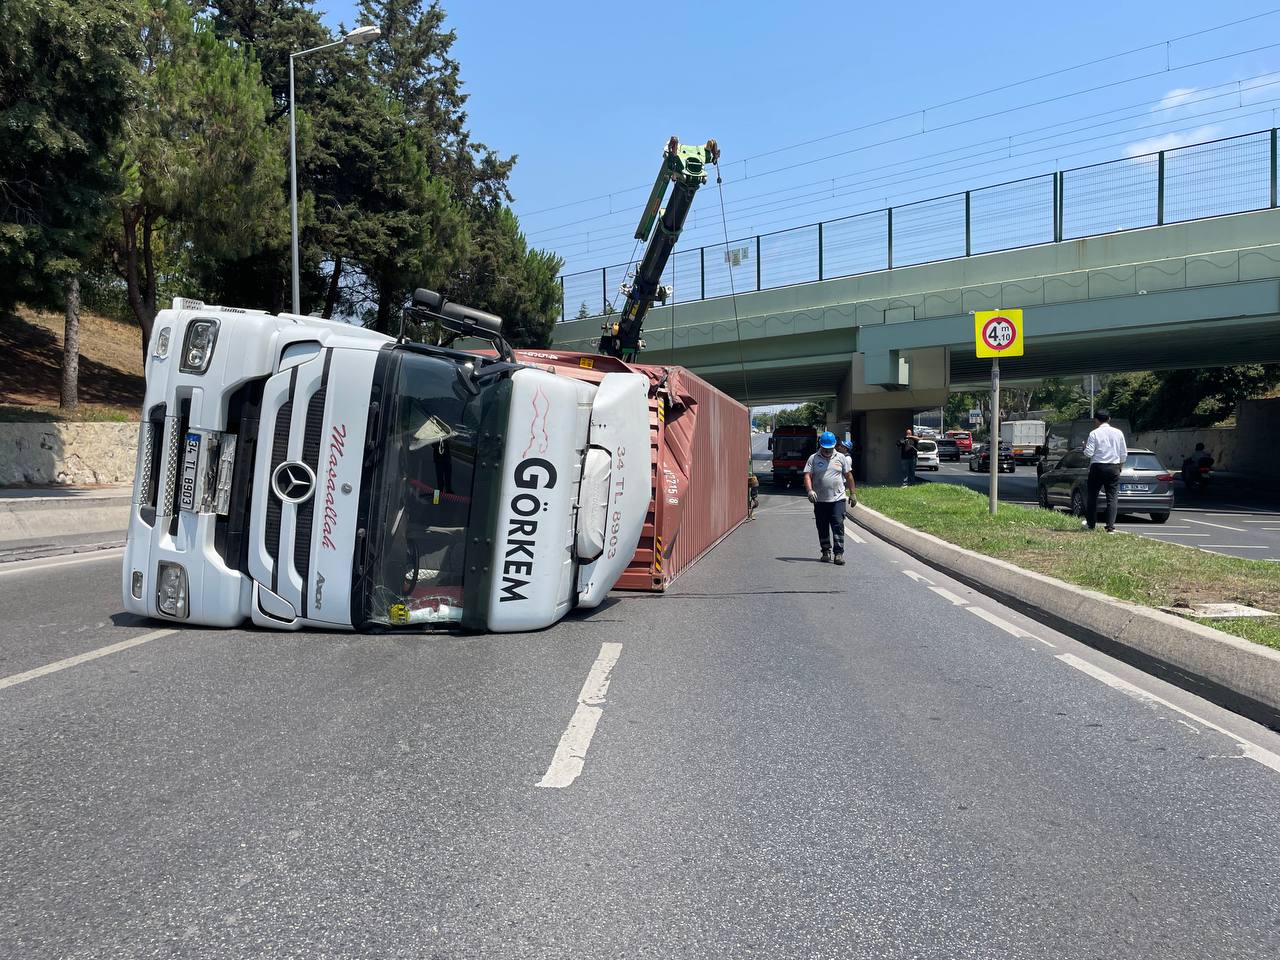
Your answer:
<point x="587" y="94"/>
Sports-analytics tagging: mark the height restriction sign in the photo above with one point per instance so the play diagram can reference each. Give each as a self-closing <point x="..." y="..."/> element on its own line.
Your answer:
<point x="998" y="333"/>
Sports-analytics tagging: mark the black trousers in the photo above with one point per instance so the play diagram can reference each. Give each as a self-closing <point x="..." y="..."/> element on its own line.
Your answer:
<point x="1103" y="476"/>
<point x="830" y="520"/>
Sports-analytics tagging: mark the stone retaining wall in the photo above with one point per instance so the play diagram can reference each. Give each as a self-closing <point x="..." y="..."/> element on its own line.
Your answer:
<point x="70" y="453"/>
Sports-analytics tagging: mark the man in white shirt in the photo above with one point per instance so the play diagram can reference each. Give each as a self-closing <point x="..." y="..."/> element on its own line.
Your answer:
<point x="1107" y="453"/>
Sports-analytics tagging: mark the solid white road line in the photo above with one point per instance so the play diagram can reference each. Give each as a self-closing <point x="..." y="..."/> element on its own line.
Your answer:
<point x="1251" y="749"/>
<point x="24" y="566"/>
<point x="17" y="678"/>
<point x="950" y="597"/>
<point x="1163" y="533"/>
<point x="1234" y="546"/>
<point x="571" y="753"/>
<point x="1220" y="526"/>
<point x="1007" y="627"/>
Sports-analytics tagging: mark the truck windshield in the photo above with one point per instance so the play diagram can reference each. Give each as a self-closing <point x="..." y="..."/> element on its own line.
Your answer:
<point x="793" y="447"/>
<point x="421" y="502"/>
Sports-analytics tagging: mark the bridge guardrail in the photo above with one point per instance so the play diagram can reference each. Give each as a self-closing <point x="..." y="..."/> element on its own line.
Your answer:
<point x="1214" y="178"/>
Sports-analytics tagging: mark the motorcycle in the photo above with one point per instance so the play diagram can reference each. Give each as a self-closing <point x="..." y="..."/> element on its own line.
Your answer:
<point x="1196" y="473"/>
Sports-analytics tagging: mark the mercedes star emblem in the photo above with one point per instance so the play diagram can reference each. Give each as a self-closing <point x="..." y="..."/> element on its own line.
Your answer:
<point x="293" y="481"/>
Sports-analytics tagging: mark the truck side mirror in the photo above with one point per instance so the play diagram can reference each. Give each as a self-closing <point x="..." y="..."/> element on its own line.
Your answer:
<point x="469" y="320"/>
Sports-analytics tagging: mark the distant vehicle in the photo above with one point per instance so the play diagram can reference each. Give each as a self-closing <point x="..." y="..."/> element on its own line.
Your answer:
<point x="926" y="455"/>
<point x="963" y="439"/>
<point x="1024" y="436"/>
<point x="1145" y="485"/>
<point x="948" y="449"/>
<point x="792" y="447"/>
<point x="925" y="432"/>
<point x="980" y="462"/>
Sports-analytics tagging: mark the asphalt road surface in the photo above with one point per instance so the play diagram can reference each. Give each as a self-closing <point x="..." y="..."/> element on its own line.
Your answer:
<point x="789" y="759"/>
<point x="1251" y="531"/>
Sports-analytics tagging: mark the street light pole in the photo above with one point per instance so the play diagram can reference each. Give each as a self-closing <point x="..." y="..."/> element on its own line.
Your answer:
<point x="357" y="37"/>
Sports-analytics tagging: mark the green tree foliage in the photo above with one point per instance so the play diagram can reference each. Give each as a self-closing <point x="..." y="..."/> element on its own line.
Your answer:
<point x="511" y="280"/>
<point x="811" y="414"/>
<point x="65" y="83"/>
<point x="202" y="167"/>
<point x="1167" y="399"/>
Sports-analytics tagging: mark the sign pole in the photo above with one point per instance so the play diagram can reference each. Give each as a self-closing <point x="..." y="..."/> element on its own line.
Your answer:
<point x="993" y="468"/>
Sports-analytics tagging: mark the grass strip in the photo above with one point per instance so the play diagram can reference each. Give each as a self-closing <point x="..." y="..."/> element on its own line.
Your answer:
<point x="1124" y="566"/>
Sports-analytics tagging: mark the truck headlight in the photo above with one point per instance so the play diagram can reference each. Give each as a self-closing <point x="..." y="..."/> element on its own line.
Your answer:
<point x="162" y="343"/>
<point x="197" y="348"/>
<point x="171" y="589"/>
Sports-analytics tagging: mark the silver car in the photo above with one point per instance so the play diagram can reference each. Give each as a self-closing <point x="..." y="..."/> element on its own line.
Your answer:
<point x="1145" y="485"/>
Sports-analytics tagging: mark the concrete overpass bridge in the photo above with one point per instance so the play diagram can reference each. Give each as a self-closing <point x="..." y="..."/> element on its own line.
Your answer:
<point x="884" y="343"/>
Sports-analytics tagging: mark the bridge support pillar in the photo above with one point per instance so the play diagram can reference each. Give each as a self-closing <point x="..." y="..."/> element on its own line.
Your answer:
<point x="878" y="433"/>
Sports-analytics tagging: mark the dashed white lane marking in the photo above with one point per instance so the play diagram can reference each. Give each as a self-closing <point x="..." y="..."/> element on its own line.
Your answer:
<point x="21" y="566"/>
<point x="1251" y="749"/>
<point x="950" y="597"/>
<point x="854" y="537"/>
<point x="1220" y="526"/>
<point x="571" y="753"/>
<point x="48" y="668"/>
<point x="1234" y="546"/>
<point x="1166" y="533"/>
<point x="1008" y="627"/>
<point x="917" y="577"/>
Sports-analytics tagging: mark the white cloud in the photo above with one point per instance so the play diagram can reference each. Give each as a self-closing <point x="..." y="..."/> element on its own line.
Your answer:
<point x="1176" y="98"/>
<point x="1170" y="141"/>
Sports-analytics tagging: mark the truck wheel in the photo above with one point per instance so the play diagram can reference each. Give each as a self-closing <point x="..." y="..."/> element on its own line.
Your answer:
<point x="1159" y="517"/>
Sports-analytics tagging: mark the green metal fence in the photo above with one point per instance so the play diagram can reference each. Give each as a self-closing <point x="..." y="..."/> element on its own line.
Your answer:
<point x="1211" y="179"/>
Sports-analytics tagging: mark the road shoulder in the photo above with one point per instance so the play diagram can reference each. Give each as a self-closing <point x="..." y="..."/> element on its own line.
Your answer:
<point x="1242" y="675"/>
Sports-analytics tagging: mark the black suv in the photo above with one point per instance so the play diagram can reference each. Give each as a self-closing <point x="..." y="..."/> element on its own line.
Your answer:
<point x="981" y="461"/>
<point x="948" y="449"/>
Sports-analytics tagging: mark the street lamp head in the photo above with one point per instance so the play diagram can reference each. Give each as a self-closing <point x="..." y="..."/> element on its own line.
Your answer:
<point x="362" y="35"/>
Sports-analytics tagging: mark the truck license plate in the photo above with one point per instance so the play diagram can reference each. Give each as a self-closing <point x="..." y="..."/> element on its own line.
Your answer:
<point x="1135" y="488"/>
<point x="190" y="468"/>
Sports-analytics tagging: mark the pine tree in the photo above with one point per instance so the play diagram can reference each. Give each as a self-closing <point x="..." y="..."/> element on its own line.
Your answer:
<point x="65" y="83"/>
<point x="202" y="166"/>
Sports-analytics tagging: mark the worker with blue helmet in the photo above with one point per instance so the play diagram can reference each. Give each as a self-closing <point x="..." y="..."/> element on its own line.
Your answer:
<point x="827" y="478"/>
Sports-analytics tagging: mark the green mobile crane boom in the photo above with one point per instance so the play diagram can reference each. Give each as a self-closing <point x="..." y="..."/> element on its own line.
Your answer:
<point x="685" y="168"/>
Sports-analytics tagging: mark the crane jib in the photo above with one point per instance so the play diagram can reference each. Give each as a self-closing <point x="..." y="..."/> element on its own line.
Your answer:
<point x="684" y="167"/>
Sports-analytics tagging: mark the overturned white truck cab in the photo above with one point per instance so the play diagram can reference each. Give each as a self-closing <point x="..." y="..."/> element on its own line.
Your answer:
<point x="299" y="472"/>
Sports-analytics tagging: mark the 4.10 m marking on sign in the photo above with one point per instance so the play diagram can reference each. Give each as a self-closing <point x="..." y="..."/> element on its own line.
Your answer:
<point x="997" y="333"/>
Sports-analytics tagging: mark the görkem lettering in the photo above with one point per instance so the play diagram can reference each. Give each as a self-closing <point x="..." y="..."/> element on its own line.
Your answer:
<point x="534" y="473"/>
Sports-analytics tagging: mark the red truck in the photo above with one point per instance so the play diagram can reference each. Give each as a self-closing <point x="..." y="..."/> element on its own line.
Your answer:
<point x="792" y="447"/>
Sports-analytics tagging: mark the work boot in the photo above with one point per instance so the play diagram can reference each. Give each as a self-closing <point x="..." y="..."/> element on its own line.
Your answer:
<point x="826" y="556"/>
<point x="839" y="559"/>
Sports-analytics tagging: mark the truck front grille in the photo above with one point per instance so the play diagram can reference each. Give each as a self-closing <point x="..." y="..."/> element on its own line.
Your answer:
<point x="279" y="453"/>
<point x="310" y="456"/>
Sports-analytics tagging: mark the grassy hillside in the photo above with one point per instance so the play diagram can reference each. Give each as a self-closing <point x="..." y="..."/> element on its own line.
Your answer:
<point x="111" y="382"/>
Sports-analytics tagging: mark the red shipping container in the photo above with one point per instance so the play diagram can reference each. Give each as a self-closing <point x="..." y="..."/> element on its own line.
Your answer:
<point x="700" y="451"/>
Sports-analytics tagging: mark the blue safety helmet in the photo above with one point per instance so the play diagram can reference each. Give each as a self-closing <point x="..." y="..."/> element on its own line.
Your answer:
<point x="827" y="440"/>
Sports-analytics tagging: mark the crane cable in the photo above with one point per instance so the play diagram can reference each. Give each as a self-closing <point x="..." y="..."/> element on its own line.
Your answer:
<point x="733" y="296"/>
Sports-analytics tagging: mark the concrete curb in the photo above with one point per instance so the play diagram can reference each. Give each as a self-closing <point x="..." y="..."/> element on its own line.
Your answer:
<point x="31" y="519"/>
<point x="1245" y="669"/>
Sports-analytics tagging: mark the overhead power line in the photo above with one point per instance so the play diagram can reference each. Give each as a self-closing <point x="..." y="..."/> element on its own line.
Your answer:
<point x="1014" y="84"/>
